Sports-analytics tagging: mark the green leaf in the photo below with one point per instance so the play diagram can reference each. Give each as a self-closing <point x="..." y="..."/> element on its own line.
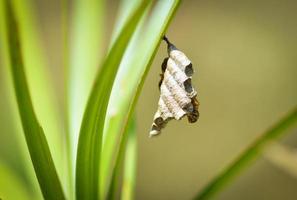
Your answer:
<point x="129" y="176"/>
<point x="127" y="154"/>
<point x="249" y="155"/>
<point x="126" y="7"/>
<point x="90" y="138"/>
<point x="40" y="84"/>
<point x="84" y="57"/>
<point x="35" y="138"/>
<point x="69" y="148"/>
<point x="11" y="125"/>
<point x="130" y="79"/>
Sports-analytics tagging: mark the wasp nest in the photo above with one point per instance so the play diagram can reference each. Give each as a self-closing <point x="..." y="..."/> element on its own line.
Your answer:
<point x="178" y="97"/>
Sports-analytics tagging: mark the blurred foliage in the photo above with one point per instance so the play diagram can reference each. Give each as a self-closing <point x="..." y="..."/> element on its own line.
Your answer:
<point x="35" y="138"/>
<point x="244" y="58"/>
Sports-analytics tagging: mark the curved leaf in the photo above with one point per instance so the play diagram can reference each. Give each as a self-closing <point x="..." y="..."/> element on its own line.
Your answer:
<point x="35" y="138"/>
<point x="130" y="79"/>
<point x="127" y="6"/>
<point x="127" y="156"/>
<point x="84" y="57"/>
<point x="249" y="155"/>
<point x="90" y="138"/>
<point x="129" y="176"/>
<point x="40" y="84"/>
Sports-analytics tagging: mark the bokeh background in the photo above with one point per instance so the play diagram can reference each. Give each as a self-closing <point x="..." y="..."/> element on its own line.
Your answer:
<point x="245" y="58"/>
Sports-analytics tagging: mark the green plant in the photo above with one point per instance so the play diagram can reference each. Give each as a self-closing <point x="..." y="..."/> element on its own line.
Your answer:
<point x="107" y="139"/>
<point x="249" y="155"/>
<point x="90" y="140"/>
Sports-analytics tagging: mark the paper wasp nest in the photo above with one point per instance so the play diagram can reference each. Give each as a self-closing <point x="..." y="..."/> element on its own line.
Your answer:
<point x="178" y="97"/>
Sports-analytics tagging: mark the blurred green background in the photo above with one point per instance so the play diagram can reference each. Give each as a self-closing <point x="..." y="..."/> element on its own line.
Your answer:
<point x="245" y="59"/>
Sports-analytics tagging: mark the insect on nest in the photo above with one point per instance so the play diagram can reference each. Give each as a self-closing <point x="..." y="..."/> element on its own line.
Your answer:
<point x="178" y="97"/>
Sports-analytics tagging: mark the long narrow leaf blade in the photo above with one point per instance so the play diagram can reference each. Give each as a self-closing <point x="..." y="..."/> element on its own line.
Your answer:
<point x="84" y="57"/>
<point x="124" y="10"/>
<point x="90" y="138"/>
<point x="249" y="155"/>
<point x="12" y="122"/>
<point x="112" y="131"/>
<point x="129" y="176"/>
<point x="82" y="60"/>
<point x="70" y="160"/>
<point x="40" y="84"/>
<point x="130" y="79"/>
<point x="36" y="141"/>
<point x="127" y="154"/>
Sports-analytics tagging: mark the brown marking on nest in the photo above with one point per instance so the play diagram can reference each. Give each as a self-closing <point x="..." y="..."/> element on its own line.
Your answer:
<point x="163" y="67"/>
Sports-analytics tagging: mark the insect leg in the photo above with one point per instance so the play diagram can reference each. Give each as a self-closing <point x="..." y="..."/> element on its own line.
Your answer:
<point x="193" y="116"/>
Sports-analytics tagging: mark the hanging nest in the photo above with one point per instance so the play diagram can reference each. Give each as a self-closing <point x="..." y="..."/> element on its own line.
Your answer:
<point x="178" y="97"/>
